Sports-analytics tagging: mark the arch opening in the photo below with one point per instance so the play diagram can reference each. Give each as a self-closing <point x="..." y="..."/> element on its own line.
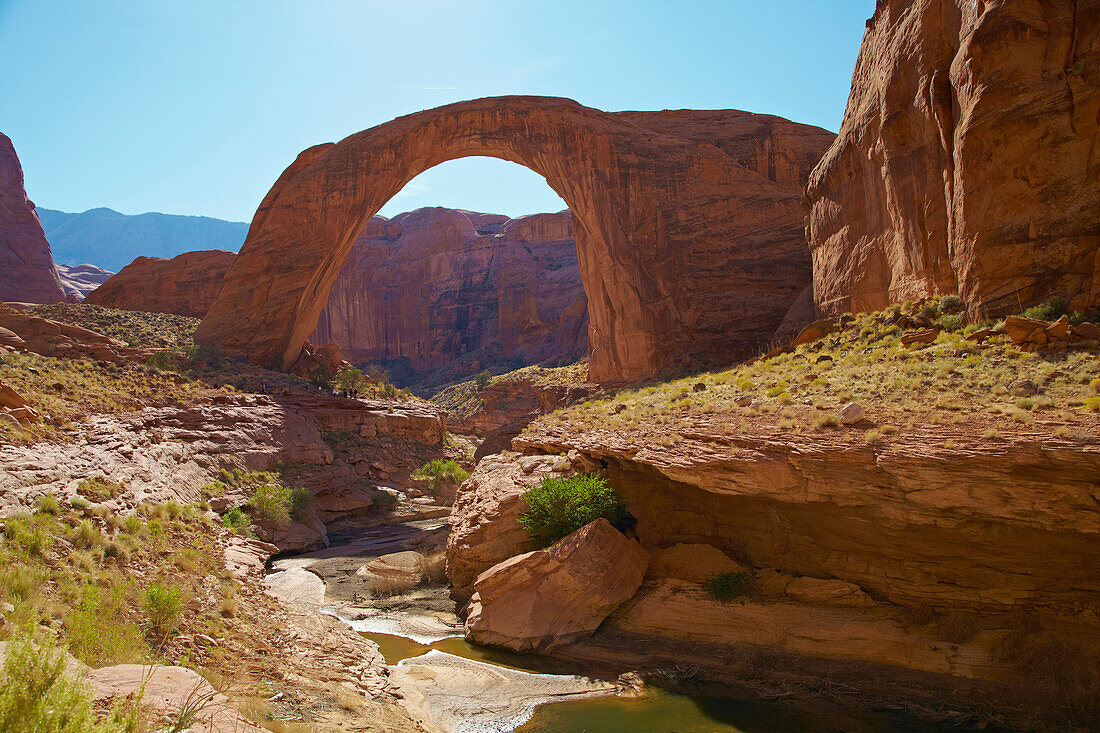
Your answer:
<point x="689" y="242"/>
<point x="434" y="294"/>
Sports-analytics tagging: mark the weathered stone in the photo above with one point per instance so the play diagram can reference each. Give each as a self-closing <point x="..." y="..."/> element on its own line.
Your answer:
<point x="691" y="205"/>
<point x="925" y="336"/>
<point x="827" y="591"/>
<point x="695" y="562"/>
<point x="965" y="162"/>
<point x="851" y="413"/>
<point x="547" y="598"/>
<point x="27" y="272"/>
<point x="10" y="398"/>
<point x="1023" y="388"/>
<point x="186" y="284"/>
<point x="79" y="280"/>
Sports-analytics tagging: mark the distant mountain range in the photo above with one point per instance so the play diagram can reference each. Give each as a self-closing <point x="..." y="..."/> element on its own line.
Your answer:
<point x="111" y="240"/>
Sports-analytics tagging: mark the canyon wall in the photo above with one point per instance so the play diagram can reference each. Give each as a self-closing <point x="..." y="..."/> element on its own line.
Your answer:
<point x="967" y="160"/>
<point x="27" y="272"/>
<point x="436" y="288"/>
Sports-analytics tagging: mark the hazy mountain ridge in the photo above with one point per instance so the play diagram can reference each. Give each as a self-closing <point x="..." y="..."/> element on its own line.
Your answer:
<point x="112" y="240"/>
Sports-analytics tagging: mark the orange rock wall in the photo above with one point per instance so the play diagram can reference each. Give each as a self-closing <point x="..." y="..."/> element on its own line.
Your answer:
<point x="967" y="160"/>
<point x="185" y="284"/>
<point x="688" y="257"/>
<point x="27" y="272"/>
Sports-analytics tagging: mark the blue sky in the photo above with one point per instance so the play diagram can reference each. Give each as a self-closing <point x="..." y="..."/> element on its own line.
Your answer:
<point x="196" y="107"/>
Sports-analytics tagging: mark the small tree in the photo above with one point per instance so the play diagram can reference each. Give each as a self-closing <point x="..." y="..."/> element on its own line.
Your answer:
<point x="350" y="378"/>
<point x="322" y="377"/>
<point x="560" y="506"/>
<point x="481" y="381"/>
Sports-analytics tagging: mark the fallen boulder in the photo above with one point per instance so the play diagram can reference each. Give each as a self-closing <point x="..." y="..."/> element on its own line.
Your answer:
<point x="548" y="598"/>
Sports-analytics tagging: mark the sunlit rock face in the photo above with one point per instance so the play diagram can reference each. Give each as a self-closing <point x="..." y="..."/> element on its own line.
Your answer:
<point x="966" y="161"/>
<point x="27" y="272"/>
<point x="688" y="225"/>
<point x="437" y="288"/>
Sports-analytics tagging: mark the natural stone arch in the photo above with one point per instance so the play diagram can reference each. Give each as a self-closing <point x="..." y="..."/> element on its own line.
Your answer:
<point x="688" y="257"/>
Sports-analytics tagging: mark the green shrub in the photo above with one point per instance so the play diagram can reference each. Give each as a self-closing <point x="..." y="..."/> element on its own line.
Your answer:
<point x="950" y="323"/>
<point x="727" y="586"/>
<point x="438" y="471"/>
<point x="350" y="378"/>
<point x="481" y="381"/>
<point x="48" y="504"/>
<point x="560" y="506"/>
<point x="37" y="695"/>
<point x="98" y="489"/>
<point x="24" y="533"/>
<point x="777" y="389"/>
<point x="951" y="304"/>
<point x="275" y="504"/>
<point x="1051" y="310"/>
<point x="163" y="606"/>
<point x="235" y="519"/>
<point x="322" y="377"/>
<point x="86" y="535"/>
<point x="99" y="632"/>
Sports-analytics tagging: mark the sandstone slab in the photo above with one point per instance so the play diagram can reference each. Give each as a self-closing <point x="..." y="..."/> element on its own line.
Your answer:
<point x="27" y="272"/>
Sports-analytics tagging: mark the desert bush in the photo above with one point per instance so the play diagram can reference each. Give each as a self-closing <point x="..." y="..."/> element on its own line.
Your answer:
<point x="163" y="606"/>
<point x="99" y="489"/>
<point x="48" y="504"/>
<point x="349" y="378"/>
<point x="1049" y="311"/>
<point x="99" y="632"/>
<point x="438" y="471"/>
<point x="322" y="377"/>
<point x="951" y="304"/>
<point x="560" y="506"/>
<point x="37" y="695"/>
<point x="481" y="381"/>
<point x="235" y="520"/>
<point x="86" y="535"/>
<point x="727" y="586"/>
<point x="383" y="501"/>
<point x="275" y="504"/>
<point x="950" y="323"/>
<point x="23" y="532"/>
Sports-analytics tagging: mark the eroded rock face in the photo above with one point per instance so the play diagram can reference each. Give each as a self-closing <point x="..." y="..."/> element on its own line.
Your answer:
<point x="547" y="598"/>
<point x="27" y="272"/>
<point x="79" y="280"/>
<point x="688" y="257"/>
<point x="438" y="286"/>
<point x="966" y="161"/>
<point x="185" y="285"/>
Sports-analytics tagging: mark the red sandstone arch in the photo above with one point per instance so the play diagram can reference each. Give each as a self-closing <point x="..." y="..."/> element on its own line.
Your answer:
<point x="688" y="224"/>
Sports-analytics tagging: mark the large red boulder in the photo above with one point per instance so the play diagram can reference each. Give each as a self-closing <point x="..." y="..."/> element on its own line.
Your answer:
<point x="186" y="284"/>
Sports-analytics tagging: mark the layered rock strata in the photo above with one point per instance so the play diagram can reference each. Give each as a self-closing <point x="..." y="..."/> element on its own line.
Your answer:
<point x="185" y="285"/>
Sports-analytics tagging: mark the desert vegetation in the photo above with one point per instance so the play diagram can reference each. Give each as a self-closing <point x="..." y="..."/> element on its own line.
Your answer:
<point x="957" y="387"/>
<point x="560" y="506"/>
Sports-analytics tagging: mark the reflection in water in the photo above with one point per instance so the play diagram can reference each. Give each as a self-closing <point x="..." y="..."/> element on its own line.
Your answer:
<point x="657" y="711"/>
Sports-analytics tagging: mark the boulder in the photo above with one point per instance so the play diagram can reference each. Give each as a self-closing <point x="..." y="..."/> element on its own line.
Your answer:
<point x="695" y="562"/>
<point x="815" y="330"/>
<point x="965" y="162"/>
<point x="166" y="691"/>
<point x="1025" y="330"/>
<point x="547" y="598"/>
<point x="406" y="565"/>
<point x="10" y="398"/>
<point x="925" y="336"/>
<point x="485" y="526"/>
<point x="185" y="285"/>
<point x="851" y="413"/>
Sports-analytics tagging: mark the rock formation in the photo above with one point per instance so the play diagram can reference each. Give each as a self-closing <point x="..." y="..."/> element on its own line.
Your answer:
<point x="27" y="272"/>
<point x="79" y="280"/>
<point x="967" y="161"/>
<point x="688" y="257"/>
<point x="186" y="284"/>
<point x="547" y="598"/>
<point x="432" y="290"/>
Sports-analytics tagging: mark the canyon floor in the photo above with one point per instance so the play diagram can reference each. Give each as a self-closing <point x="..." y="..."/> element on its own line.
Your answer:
<point x="929" y="555"/>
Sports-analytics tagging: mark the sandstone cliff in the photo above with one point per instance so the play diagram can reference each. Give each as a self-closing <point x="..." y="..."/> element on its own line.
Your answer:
<point x="185" y="285"/>
<point x="967" y="161"/>
<point x="79" y="280"/>
<point x="439" y="289"/>
<point x="27" y="272"/>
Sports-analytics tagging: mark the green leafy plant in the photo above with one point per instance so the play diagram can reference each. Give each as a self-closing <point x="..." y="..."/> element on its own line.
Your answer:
<point x="481" y="381"/>
<point x="1051" y="310"/>
<point x="951" y="304"/>
<point x="727" y="586"/>
<point x="163" y="606"/>
<point x="99" y="632"/>
<point x="323" y="377"/>
<point x="438" y="471"/>
<point x="950" y="323"/>
<point x="275" y="504"/>
<point x="235" y="519"/>
<point x="560" y="506"/>
<point x="349" y="378"/>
